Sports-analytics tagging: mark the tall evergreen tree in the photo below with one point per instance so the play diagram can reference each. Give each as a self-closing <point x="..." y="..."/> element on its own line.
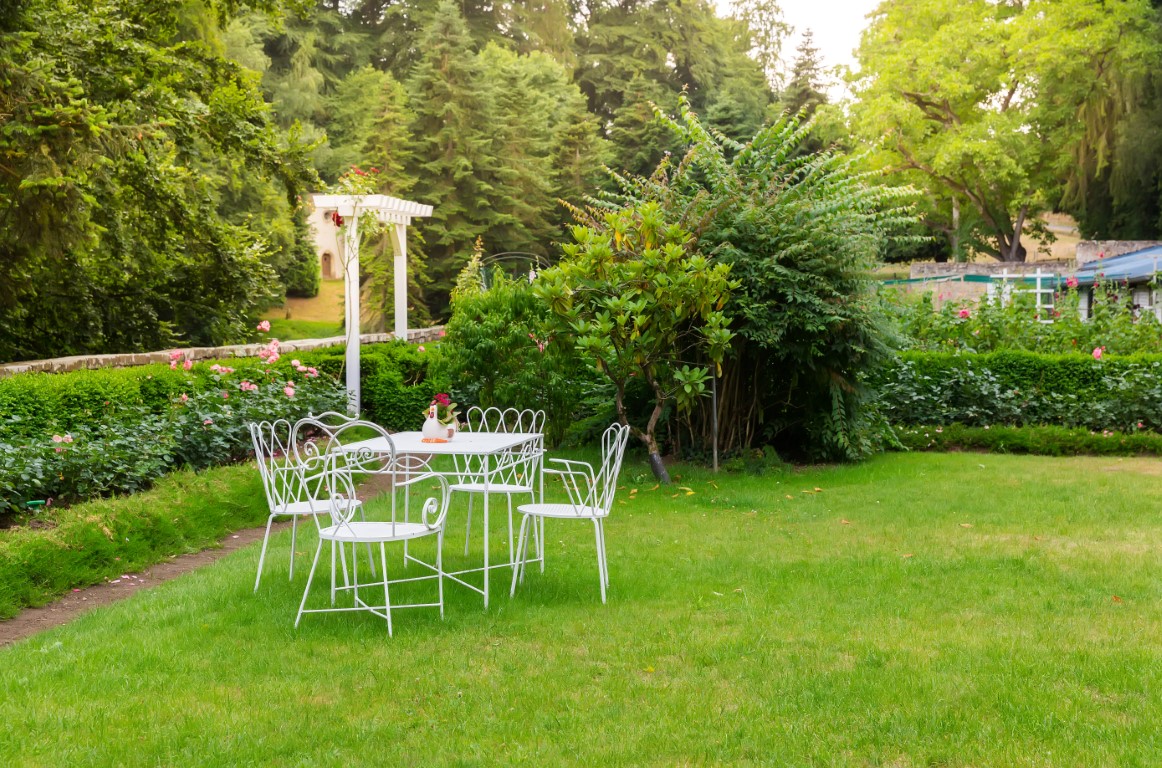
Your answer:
<point x="451" y="160"/>
<point x="805" y="90"/>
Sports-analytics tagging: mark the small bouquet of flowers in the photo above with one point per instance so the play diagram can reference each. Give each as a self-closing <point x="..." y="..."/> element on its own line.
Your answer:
<point x="445" y="409"/>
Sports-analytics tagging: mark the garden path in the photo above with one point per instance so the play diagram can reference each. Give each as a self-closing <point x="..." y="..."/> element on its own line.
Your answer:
<point x="79" y="601"/>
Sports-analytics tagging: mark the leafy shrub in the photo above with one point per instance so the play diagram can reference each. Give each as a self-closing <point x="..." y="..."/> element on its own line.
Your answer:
<point x="129" y="449"/>
<point x="801" y="232"/>
<point x="1022" y="388"/>
<point x="498" y="352"/>
<point x="1038" y="440"/>
<point x="988" y="326"/>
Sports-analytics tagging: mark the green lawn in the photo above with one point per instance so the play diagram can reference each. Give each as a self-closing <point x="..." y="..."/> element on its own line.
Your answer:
<point x="287" y="330"/>
<point x="936" y="609"/>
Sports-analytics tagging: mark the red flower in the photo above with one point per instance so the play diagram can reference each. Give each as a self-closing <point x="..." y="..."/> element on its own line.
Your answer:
<point x="443" y="399"/>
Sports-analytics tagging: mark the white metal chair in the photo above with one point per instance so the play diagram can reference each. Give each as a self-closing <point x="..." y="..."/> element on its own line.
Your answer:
<point x="512" y="474"/>
<point x="590" y="498"/>
<point x="280" y="463"/>
<point x="331" y="474"/>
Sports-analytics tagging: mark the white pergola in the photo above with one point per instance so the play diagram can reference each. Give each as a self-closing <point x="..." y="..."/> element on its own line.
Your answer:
<point x="387" y="210"/>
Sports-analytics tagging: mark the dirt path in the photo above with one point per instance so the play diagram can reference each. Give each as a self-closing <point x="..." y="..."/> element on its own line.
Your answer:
<point x="33" y="620"/>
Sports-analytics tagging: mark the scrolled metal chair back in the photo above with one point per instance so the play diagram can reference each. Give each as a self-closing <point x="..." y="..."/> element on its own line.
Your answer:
<point x="277" y="463"/>
<point x="613" y="442"/>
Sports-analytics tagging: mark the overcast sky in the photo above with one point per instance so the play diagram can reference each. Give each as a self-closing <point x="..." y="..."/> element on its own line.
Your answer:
<point x="835" y="23"/>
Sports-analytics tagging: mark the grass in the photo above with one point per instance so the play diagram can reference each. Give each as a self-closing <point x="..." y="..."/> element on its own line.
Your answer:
<point x="287" y="330"/>
<point x="920" y="609"/>
<point x="319" y="317"/>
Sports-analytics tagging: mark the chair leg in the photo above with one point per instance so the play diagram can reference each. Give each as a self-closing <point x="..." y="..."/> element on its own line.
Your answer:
<point x="440" y="568"/>
<point x="542" y="532"/>
<point x="310" y="578"/>
<point x="345" y="581"/>
<point x="468" y="528"/>
<point x="370" y="554"/>
<point x="604" y="553"/>
<point x="511" y="554"/>
<point x="600" y="564"/>
<point x="262" y="556"/>
<point x="386" y="596"/>
<point x="294" y="534"/>
<point x="521" y="543"/>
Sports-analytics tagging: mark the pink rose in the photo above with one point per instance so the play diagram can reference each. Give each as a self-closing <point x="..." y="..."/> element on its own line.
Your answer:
<point x="173" y="365"/>
<point x="1071" y="282"/>
<point x="1098" y="352"/>
<point x="175" y="355"/>
<point x="185" y="397"/>
<point x="187" y="365"/>
<point x="264" y="326"/>
<point x="288" y="390"/>
<point x="295" y="363"/>
<point x="57" y="438"/>
<point x="208" y="422"/>
<point x="225" y="395"/>
<point x="420" y="348"/>
<point x="964" y="312"/>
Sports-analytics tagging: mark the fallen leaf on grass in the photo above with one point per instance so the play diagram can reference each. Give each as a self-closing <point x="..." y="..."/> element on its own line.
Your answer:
<point x="818" y="490"/>
<point x="689" y="493"/>
<point x="966" y="525"/>
<point x="1118" y="599"/>
<point x="716" y="593"/>
<point x="648" y="670"/>
<point x="789" y="496"/>
<point x="675" y="495"/>
<point x="909" y="554"/>
<point x="684" y="488"/>
<point x="845" y="522"/>
<point x="656" y="487"/>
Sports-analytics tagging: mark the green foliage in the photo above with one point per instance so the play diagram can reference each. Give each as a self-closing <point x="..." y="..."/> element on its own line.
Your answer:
<point x="117" y="135"/>
<point x="639" y="299"/>
<point x="83" y="453"/>
<point x="1113" y="324"/>
<point x="500" y="351"/>
<point x="1024" y="388"/>
<point x="1037" y="440"/>
<point x="979" y="102"/>
<point x="800" y="232"/>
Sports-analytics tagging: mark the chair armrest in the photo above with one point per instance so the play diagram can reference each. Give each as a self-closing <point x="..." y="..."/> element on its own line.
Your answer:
<point x="569" y="473"/>
<point x="432" y="505"/>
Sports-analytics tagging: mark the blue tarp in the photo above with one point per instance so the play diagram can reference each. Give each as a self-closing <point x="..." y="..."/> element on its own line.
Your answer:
<point x="1136" y="267"/>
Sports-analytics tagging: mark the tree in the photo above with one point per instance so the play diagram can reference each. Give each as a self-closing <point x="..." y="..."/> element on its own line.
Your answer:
<point x="805" y="90"/>
<point x="979" y="101"/>
<point x="118" y="137"/>
<point x="640" y="301"/>
<point x="452" y="146"/>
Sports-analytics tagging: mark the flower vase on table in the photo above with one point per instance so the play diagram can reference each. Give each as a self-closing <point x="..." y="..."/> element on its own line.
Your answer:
<point x="433" y="430"/>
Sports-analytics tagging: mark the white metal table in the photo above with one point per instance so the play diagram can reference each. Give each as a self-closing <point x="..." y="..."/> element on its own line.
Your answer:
<point x="489" y="447"/>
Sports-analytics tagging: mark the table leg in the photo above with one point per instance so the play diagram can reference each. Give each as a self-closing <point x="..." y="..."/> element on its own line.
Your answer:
<point x="486" y="495"/>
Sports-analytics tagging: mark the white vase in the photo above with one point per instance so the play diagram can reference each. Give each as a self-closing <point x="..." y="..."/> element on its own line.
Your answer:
<point x="433" y="429"/>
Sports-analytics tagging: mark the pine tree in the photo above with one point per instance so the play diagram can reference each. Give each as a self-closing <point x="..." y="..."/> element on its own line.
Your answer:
<point x="452" y="144"/>
<point x="805" y="91"/>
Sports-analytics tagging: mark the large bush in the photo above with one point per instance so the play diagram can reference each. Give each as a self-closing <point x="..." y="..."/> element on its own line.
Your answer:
<point x="499" y="352"/>
<point x="1023" y="388"/>
<point x="800" y="232"/>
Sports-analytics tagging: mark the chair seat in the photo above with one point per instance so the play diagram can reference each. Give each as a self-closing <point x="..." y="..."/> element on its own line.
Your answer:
<point x="316" y="507"/>
<point x="360" y="531"/>
<point x="492" y="488"/>
<point x="561" y="510"/>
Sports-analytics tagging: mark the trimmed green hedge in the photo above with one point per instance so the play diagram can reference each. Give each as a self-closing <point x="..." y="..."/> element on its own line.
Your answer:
<point x="1041" y="441"/>
<point x="1022" y="388"/>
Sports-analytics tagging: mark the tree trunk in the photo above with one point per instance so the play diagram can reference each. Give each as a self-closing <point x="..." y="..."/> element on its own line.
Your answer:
<point x="954" y="236"/>
<point x="1016" y="250"/>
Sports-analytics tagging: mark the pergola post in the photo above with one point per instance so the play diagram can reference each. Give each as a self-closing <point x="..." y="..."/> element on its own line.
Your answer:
<point x="399" y="244"/>
<point x="351" y="305"/>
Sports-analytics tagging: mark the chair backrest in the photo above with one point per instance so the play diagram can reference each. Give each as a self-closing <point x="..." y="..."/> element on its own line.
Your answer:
<point x="277" y="464"/>
<point x="518" y="467"/>
<point x="493" y="419"/>
<point x="613" y="442"/>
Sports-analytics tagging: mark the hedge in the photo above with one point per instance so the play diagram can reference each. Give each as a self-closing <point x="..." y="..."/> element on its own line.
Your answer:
<point x="1024" y="388"/>
<point x="84" y="434"/>
<point x="1041" y="441"/>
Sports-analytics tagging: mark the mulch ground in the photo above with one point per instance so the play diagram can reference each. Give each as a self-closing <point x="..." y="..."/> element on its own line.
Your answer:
<point x="72" y="605"/>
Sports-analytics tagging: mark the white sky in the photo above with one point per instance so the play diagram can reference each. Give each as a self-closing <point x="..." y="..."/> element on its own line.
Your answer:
<point x="835" y="23"/>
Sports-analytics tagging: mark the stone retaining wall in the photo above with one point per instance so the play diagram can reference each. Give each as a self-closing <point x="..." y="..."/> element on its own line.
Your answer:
<point x="920" y="270"/>
<point x="1089" y="250"/>
<point x="130" y="359"/>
